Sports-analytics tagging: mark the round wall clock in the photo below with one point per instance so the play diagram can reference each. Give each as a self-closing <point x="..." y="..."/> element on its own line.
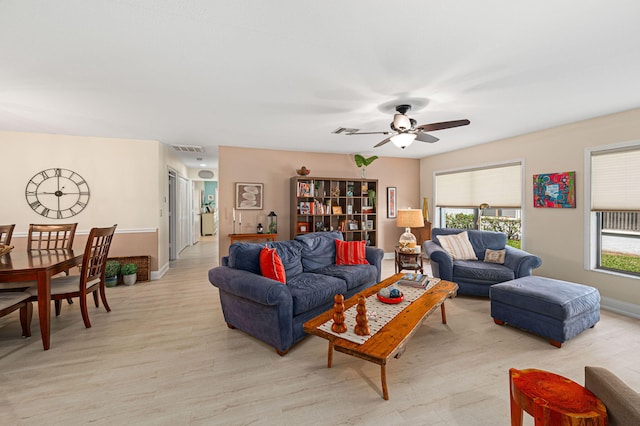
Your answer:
<point x="57" y="193"/>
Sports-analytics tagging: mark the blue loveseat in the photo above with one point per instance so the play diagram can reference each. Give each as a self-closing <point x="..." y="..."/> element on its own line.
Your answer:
<point x="475" y="277"/>
<point x="274" y="312"/>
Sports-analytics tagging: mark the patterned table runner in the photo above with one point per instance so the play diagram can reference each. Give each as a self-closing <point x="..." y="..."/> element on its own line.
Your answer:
<point x="385" y="312"/>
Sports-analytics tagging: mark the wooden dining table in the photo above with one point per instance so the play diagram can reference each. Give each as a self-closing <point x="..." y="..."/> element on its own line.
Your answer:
<point x="40" y="266"/>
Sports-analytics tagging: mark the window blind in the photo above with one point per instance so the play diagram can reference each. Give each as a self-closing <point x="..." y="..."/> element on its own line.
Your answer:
<point x="499" y="186"/>
<point x="615" y="180"/>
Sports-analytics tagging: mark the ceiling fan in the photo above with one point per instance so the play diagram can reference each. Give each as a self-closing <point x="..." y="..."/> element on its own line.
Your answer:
<point x="406" y="129"/>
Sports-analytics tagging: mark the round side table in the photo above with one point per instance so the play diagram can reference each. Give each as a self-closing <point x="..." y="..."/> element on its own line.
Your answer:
<point x="553" y="400"/>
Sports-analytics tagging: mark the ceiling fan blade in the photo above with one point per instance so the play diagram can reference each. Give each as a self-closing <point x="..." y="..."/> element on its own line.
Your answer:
<point x="425" y="137"/>
<point x="368" y="133"/>
<point x="382" y="142"/>
<point x="441" y="126"/>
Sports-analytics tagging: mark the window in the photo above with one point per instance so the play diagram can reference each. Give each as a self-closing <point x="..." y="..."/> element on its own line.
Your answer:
<point x="487" y="198"/>
<point x="615" y="209"/>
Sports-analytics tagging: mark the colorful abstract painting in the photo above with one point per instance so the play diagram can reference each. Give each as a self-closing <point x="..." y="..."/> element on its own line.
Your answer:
<point x="556" y="190"/>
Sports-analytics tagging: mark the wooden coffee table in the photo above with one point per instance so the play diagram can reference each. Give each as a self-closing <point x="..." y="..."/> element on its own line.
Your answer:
<point x="391" y="339"/>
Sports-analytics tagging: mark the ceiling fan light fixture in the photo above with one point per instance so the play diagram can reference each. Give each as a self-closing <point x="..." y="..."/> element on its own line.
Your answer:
<point x="403" y="140"/>
<point x="401" y="122"/>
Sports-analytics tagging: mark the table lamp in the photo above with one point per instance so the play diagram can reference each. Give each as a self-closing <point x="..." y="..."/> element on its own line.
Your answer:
<point x="409" y="218"/>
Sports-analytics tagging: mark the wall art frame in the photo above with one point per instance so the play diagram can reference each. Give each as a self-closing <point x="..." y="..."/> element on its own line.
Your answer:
<point x="392" y="202"/>
<point x="554" y="190"/>
<point x="249" y="196"/>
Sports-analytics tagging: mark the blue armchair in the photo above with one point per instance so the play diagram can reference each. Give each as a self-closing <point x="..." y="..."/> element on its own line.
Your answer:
<point x="475" y="277"/>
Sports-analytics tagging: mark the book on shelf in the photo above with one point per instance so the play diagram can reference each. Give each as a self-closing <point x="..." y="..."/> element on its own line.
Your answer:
<point x="417" y="280"/>
<point x="305" y="189"/>
<point x="306" y="207"/>
<point x="320" y="207"/>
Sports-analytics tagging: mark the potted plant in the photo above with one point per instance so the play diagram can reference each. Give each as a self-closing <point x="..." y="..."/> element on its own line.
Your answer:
<point x="129" y="273"/>
<point x="111" y="270"/>
<point x="364" y="162"/>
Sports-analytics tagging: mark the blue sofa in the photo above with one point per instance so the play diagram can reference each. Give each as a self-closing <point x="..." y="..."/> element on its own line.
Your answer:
<point x="475" y="277"/>
<point x="274" y="312"/>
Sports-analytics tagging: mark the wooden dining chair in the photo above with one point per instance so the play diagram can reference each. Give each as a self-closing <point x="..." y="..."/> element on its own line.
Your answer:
<point x="6" y="231"/>
<point x="91" y="278"/>
<point x="15" y="300"/>
<point x="51" y="237"/>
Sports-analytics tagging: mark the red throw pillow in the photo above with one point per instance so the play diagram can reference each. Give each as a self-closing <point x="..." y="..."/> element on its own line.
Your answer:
<point x="351" y="253"/>
<point x="271" y="265"/>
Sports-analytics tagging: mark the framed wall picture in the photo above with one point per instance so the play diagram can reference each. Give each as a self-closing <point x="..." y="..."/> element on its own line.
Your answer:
<point x="368" y="225"/>
<point x="555" y="190"/>
<point x="249" y="196"/>
<point x="392" y="208"/>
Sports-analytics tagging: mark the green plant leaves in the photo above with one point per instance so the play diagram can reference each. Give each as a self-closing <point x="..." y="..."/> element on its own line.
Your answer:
<point x="361" y="161"/>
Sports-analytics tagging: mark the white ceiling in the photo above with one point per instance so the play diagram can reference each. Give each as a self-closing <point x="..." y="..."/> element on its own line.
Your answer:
<point x="284" y="74"/>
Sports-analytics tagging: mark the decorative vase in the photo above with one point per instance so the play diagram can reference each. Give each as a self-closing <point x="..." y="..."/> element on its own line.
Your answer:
<point x="425" y="209"/>
<point x="364" y="172"/>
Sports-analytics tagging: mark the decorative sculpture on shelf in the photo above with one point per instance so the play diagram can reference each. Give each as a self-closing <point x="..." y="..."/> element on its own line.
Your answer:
<point x="303" y="171"/>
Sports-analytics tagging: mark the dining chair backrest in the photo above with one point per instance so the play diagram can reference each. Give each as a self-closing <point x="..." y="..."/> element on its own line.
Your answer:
<point x="95" y="256"/>
<point x="51" y="237"/>
<point x="6" y="231"/>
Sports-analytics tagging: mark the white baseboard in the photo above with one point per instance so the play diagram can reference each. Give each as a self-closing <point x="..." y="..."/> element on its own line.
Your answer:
<point x="156" y="275"/>
<point x="620" y="307"/>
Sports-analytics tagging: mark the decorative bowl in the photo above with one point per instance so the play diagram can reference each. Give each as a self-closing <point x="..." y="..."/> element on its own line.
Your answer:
<point x="390" y="300"/>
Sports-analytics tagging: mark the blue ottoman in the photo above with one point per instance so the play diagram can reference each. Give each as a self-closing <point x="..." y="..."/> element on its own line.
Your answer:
<point x="554" y="309"/>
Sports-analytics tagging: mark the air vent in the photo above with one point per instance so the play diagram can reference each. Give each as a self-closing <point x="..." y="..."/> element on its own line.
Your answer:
<point x="341" y="130"/>
<point x="188" y="148"/>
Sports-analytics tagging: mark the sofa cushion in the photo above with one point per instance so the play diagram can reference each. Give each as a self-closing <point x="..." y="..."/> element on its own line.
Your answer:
<point x="245" y="256"/>
<point x="480" y="240"/>
<point x="495" y="256"/>
<point x="458" y="246"/>
<point x="290" y="253"/>
<point x="351" y="253"/>
<point x="353" y="275"/>
<point x="271" y="265"/>
<point x="309" y="290"/>
<point x="472" y="270"/>
<point x="622" y="402"/>
<point x="318" y="249"/>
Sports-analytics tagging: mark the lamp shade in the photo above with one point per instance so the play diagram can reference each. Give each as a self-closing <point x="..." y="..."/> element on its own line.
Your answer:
<point x="409" y="218"/>
<point x="403" y="140"/>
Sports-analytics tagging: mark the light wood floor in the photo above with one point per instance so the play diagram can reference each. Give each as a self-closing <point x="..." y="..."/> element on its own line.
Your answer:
<point x="164" y="356"/>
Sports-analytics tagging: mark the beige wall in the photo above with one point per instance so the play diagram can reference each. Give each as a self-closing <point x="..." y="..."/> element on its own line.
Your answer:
<point x="556" y="235"/>
<point x="123" y="177"/>
<point x="275" y="168"/>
